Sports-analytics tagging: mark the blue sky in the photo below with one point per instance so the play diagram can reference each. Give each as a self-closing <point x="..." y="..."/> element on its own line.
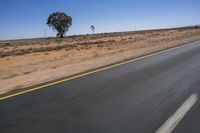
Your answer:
<point x="27" y="18"/>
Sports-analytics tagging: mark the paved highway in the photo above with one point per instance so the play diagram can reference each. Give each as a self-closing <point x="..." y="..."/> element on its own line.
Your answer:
<point x="159" y="94"/>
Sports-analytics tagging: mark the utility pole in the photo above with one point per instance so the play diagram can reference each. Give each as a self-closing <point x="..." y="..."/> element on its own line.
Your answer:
<point x="45" y="35"/>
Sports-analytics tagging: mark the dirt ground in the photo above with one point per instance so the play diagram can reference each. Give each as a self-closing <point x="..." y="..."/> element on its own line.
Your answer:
<point x="28" y="62"/>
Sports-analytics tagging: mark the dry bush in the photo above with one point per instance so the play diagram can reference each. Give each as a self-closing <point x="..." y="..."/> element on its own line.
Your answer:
<point x="2" y="45"/>
<point x="123" y="39"/>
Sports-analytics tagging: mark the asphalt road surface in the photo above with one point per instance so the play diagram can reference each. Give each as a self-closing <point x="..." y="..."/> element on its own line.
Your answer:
<point x="155" y="94"/>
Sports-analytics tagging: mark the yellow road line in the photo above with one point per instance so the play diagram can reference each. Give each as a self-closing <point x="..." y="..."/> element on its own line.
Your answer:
<point x="87" y="73"/>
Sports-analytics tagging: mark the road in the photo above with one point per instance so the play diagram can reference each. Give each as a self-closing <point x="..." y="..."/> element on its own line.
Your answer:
<point x="159" y="93"/>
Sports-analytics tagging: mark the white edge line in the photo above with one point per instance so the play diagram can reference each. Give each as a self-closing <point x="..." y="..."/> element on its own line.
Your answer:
<point x="173" y="121"/>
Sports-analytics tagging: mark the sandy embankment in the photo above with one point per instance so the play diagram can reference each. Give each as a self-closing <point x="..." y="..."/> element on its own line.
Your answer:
<point x="77" y="55"/>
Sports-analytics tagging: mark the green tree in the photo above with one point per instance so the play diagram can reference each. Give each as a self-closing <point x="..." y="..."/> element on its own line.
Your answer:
<point x="60" y="22"/>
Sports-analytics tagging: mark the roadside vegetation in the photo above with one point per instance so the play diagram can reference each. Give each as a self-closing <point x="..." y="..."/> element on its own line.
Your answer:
<point x="33" y="61"/>
<point x="22" y="47"/>
<point x="60" y="22"/>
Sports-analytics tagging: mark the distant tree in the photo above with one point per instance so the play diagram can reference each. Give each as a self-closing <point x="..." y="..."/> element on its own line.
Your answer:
<point x="92" y="28"/>
<point x="60" y="22"/>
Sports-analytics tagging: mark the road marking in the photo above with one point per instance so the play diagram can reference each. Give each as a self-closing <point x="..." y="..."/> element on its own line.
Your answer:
<point x="88" y="73"/>
<point x="173" y="121"/>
